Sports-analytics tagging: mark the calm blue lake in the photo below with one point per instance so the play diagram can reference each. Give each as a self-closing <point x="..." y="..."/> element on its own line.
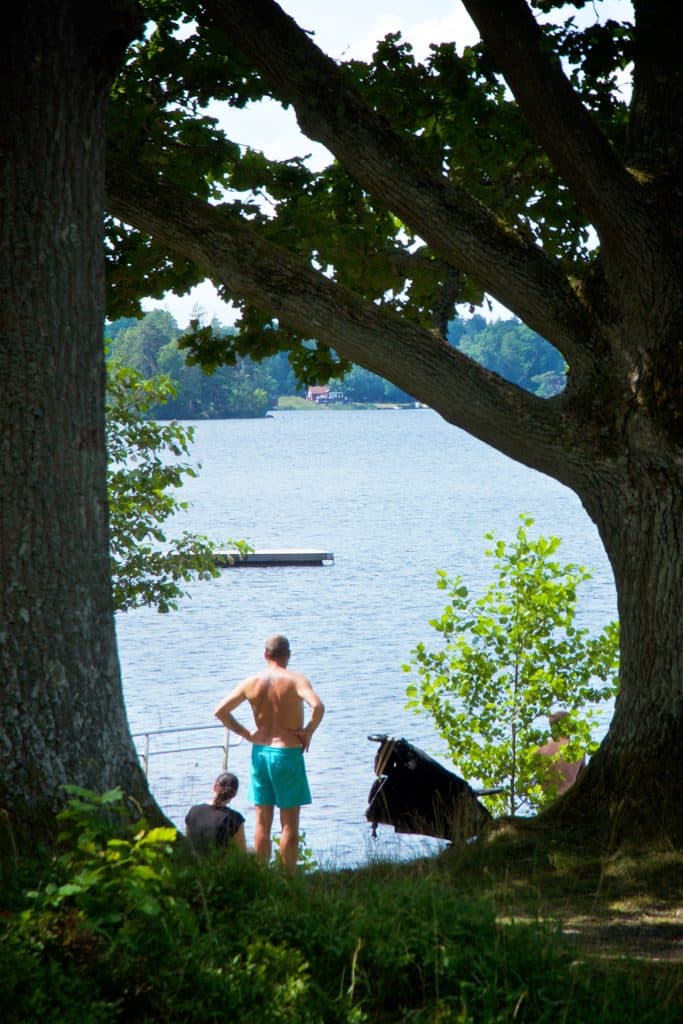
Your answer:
<point x="394" y="494"/>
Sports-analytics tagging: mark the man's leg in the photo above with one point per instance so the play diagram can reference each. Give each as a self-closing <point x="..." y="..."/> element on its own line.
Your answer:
<point x="262" y="831"/>
<point x="289" y="840"/>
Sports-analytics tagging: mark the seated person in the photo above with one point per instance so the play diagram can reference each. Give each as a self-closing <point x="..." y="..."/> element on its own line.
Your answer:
<point x="557" y="775"/>
<point x="216" y="824"/>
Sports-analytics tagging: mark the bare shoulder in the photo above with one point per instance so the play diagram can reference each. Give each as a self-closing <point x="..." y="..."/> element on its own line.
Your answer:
<point x="237" y="696"/>
<point x="302" y="683"/>
<point x="299" y="678"/>
<point x="243" y="690"/>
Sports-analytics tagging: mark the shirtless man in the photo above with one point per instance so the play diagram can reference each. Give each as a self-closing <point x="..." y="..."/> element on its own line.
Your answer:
<point x="279" y="741"/>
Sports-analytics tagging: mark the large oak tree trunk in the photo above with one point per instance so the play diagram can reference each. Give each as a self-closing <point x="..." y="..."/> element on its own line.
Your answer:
<point x="62" y="717"/>
<point x="632" y="788"/>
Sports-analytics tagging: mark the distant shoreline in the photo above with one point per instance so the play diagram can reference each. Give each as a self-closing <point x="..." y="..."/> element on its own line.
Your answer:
<point x="296" y="404"/>
<point x="293" y="403"/>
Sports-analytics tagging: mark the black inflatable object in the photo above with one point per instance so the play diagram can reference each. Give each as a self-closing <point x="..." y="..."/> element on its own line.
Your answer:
<point x="418" y="796"/>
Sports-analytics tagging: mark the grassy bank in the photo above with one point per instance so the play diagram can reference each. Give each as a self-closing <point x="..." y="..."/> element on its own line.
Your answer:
<point x="134" y="929"/>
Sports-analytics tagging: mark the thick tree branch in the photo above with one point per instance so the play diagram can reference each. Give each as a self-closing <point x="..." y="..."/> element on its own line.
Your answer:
<point x="580" y="151"/>
<point x="526" y="428"/>
<point x="638" y="225"/>
<point x="656" y="123"/>
<point x="456" y="226"/>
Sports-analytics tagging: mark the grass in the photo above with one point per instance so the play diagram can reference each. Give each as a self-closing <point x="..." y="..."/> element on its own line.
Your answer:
<point x="625" y="904"/>
<point x="518" y="927"/>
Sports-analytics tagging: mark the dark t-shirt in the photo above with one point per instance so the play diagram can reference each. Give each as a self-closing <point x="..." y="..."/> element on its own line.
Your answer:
<point x="206" y="825"/>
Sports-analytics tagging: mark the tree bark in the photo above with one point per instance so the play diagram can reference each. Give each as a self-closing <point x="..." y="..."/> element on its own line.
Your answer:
<point x="631" y="791"/>
<point x="62" y="717"/>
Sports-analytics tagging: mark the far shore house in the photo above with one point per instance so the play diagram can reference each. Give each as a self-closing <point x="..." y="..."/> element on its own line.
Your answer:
<point x="321" y="394"/>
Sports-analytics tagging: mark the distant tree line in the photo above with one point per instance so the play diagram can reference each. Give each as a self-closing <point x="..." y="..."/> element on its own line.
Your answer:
<point x="247" y="389"/>
<point x="250" y="389"/>
<point x="513" y="351"/>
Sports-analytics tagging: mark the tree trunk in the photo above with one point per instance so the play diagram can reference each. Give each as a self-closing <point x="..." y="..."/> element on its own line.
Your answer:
<point x="62" y="717"/>
<point x="631" y="790"/>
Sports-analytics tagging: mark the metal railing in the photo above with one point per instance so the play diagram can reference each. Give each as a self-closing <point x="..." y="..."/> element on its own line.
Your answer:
<point x="145" y="754"/>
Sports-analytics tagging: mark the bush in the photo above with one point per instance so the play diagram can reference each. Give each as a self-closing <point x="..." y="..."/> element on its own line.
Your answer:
<point x="505" y="660"/>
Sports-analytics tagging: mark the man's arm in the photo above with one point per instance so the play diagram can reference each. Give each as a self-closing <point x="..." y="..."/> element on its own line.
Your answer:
<point x="308" y="694"/>
<point x="224" y="711"/>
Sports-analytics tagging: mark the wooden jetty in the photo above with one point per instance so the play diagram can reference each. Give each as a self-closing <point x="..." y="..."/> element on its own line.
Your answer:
<point x="229" y="558"/>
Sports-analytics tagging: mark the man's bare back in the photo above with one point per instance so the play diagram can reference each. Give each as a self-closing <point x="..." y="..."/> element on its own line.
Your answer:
<point x="276" y="698"/>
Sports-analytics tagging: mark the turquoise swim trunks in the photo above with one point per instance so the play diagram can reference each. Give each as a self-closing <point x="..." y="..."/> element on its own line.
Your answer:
<point x="278" y="777"/>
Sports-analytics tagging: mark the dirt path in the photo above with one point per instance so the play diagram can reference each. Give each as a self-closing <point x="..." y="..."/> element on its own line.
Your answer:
<point x="652" y="934"/>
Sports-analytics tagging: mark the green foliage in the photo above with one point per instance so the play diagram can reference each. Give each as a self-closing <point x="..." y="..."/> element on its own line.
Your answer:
<point x="111" y="862"/>
<point x="362" y="386"/>
<point x="513" y="351"/>
<point x="243" y="391"/>
<point x="139" y="344"/>
<point x="106" y="904"/>
<point x="143" y="472"/>
<point x="243" y="388"/>
<point x="506" y="659"/>
<point x="123" y="925"/>
<point x="305" y="858"/>
<point x="155" y="345"/>
<point x="453" y="107"/>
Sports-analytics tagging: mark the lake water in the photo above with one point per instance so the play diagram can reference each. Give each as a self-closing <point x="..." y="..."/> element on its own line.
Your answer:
<point x="394" y="494"/>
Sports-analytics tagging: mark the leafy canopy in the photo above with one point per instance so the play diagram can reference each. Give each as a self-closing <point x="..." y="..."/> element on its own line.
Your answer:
<point x="508" y="658"/>
<point x="452" y="106"/>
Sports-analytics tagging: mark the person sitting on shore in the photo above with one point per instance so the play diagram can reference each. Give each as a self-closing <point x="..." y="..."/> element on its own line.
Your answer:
<point x="556" y="774"/>
<point x="216" y="824"/>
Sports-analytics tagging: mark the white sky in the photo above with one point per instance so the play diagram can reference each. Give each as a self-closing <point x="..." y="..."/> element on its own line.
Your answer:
<point x="342" y="30"/>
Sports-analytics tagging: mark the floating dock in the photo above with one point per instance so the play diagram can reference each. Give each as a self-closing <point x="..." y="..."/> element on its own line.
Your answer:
<point x="228" y="558"/>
